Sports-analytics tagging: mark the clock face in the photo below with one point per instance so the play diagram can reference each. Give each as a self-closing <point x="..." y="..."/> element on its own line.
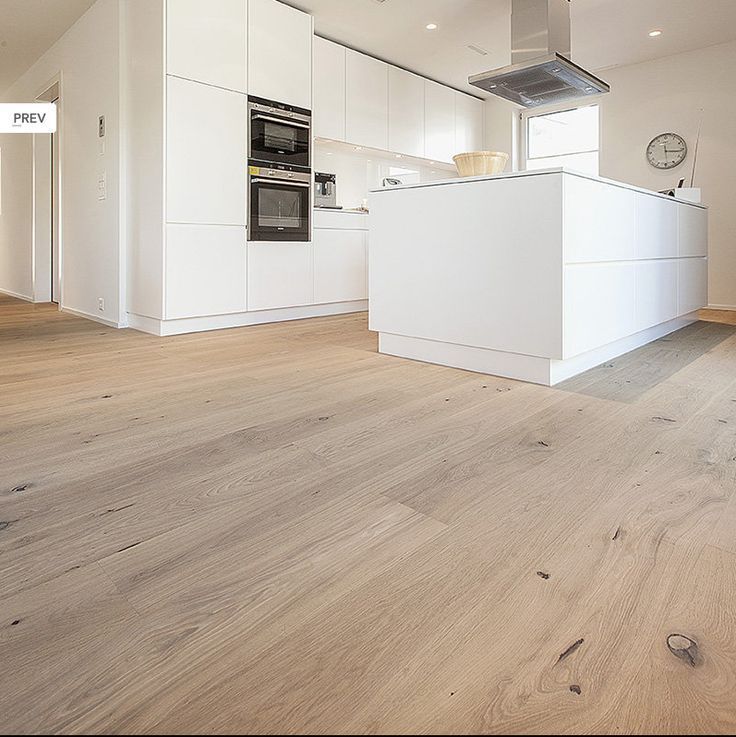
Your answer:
<point x="666" y="151"/>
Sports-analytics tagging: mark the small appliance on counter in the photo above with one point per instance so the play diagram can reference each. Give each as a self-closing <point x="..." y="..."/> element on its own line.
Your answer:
<point x="325" y="191"/>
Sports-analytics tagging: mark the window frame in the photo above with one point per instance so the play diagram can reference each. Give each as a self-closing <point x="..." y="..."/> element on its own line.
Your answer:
<point x="526" y="115"/>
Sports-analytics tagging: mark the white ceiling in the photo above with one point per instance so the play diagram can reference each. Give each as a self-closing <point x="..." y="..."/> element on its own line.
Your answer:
<point x="28" y="28"/>
<point x="605" y="33"/>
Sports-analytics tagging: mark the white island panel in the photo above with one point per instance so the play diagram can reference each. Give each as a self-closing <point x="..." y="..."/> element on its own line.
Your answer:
<point x="533" y="275"/>
<point x="460" y="263"/>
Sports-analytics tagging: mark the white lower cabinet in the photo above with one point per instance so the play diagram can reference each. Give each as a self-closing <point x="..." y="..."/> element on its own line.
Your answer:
<point x="692" y="230"/>
<point x="280" y="274"/>
<point x="656" y="291"/>
<point x="656" y="227"/>
<point x="693" y="284"/>
<point x="599" y="305"/>
<point x="340" y="273"/>
<point x="205" y="270"/>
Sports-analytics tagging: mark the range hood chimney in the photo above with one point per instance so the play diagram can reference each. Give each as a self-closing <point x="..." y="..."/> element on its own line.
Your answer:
<point x="541" y="72"/>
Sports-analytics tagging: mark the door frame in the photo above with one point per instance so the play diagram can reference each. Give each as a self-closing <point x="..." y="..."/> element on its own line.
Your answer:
<point x="44" y="272"/>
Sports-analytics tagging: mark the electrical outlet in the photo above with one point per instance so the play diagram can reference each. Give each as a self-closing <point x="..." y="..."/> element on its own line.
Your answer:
<point x="100" y="304"/>
<point x="102" y="186"/>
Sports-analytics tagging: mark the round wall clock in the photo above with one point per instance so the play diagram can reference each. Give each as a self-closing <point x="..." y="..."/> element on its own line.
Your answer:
<point x="666" y="151"/>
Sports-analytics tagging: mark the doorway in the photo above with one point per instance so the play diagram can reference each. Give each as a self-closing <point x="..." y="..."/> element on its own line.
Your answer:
<point x="47" y="277"/>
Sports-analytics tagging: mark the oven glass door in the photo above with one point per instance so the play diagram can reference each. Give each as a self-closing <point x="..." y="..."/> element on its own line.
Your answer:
<point x="282" y="141"/>
<point x="279" y="211"/>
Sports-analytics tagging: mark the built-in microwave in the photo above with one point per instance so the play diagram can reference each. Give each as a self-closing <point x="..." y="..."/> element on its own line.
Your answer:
<point x="279" y="133"/>
<point x="280" y="203"/>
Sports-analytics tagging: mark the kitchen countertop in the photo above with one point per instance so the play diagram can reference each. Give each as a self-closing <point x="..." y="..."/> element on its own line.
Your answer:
<point x="533" y="173"/>
<point x="354" y="211"/>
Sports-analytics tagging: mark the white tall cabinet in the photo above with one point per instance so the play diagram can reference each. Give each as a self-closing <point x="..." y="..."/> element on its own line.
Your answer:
<point x="207" y="47"/>
<point x="366" y="100"/>
<point x="279" y="53"/>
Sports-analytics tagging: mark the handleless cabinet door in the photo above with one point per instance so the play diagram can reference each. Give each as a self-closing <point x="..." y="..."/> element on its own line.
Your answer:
<point x="206" y="152"/>
<point x="693" y="230"/>
<point x="692" y="284"/>
<point x="339" y="266"/>
<point x="405" y="112"/>
<point x="366" y="101"/>
<point x="205" y="270"/>
<point x="439" y="121"/>
<point x="656" y="227"/>
<point x="280" y="275"/>
<point x="329" y="90"/>
<point x="279" y="53"/>
<point x="206" y="41"/>
<point x="468" y="123"/>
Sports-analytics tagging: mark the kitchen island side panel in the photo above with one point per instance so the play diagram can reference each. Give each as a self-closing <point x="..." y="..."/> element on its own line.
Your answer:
<point x="476" y="263"/>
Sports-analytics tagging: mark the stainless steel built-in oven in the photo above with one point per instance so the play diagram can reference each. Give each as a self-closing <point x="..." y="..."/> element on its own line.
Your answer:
<point x="279" y="133"/>
<point x="280" y="204"/>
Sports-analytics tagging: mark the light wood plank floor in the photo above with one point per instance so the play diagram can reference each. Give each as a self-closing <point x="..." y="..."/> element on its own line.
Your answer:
<point x="277" y="530"/>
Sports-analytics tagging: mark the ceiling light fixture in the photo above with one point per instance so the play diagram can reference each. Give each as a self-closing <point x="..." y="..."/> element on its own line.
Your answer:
<point x="431" y="26"/>
<point x="655" y="32"/>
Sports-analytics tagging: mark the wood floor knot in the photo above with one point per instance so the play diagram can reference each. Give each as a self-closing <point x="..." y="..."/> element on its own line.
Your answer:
<point x="684" y="648"/>
<point x="570" y="650"/>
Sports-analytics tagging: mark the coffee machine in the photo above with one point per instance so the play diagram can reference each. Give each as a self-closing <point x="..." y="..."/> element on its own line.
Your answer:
<point x="325" y="191"/>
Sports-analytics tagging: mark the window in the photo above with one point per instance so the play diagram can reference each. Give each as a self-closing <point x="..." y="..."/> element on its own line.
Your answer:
<point x="565" y="138"/>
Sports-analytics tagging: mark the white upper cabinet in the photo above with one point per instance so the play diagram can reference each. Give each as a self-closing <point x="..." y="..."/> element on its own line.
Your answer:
<point x="439" y="122"/>
<point x="468" y="123"/>
<point x="206" y="151"/>
<point x="329" y="90"/>
<point x="206" y="42"/>
<point x="279" y="53"/>
<point x="405" y="112"/>
<point x="366" y="104"/>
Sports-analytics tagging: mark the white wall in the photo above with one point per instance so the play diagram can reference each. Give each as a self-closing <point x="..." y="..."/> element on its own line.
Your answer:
<point x="358" y="172"/>
<point x="88" y="58"/>
<point x="668" y="95"/>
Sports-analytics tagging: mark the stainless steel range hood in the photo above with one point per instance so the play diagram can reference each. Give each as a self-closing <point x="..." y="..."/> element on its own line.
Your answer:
<point x="541" y="72"/>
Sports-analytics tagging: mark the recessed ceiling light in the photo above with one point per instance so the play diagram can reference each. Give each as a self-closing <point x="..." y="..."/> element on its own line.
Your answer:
<point x="655" y="32"/>
<point x="431" y="26"/>
<point x="398" y="156"/>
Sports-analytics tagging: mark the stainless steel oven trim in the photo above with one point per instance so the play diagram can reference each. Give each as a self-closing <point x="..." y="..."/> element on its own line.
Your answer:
<point x="281" y="121"/>
<point x="286" y="116"/>
<point x="287" y="182"/>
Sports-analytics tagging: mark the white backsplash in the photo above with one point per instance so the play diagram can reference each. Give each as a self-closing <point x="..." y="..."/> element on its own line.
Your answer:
<point x="358" y="172"/>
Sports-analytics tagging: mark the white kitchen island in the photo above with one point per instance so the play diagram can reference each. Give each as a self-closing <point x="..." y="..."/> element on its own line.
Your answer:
<point x="535" y="275"/>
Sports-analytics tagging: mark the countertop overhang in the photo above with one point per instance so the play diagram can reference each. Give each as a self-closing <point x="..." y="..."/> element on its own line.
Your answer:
<point x="460" y="181"/>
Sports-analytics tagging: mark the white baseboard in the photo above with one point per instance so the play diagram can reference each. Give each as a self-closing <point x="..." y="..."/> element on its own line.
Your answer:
<point x="730" y="308"/>
<point x="10" y="293"/>
<point x="88" y="316"/>
<point x="240" y="319"/>
<point x="561" y="370"/>
<point x="534" y="369"/>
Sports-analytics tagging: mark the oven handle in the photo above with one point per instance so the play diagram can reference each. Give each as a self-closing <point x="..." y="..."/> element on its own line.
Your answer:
<point x="286" y="182"/>
<point x="283" y="121"/>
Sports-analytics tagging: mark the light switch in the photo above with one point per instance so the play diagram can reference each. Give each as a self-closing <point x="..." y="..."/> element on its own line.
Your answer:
<point x="102" y="186"/>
